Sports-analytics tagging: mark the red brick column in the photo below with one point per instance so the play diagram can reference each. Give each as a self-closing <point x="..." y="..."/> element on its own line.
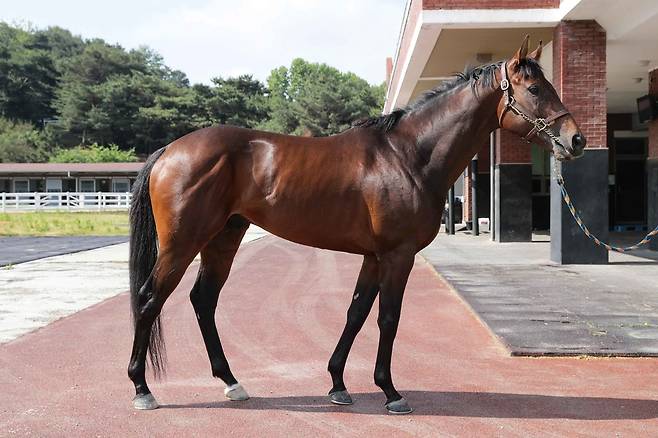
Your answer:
<point x="512" y="149"/>
<point x="652" y="163"/>
<point x="466" y="206"/>
<point x="579" y="70"/>
<point x="579" y="77"/>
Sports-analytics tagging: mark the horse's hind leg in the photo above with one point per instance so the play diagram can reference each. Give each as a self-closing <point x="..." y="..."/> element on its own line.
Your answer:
<point x="365" y="292"/>
<point x="216" y="260"/>
<point x="167" y="273"/>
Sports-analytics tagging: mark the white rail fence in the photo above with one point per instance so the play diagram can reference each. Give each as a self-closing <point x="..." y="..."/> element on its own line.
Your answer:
<point x="99" y="201"/>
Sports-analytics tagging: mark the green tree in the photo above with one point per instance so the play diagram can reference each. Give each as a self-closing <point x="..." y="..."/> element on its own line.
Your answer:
<point x="88" y="79"/>
<point x="319" y="98"/>
<point x="20" y="142"/>
<point x="28" y="77"/>
<point x="239" y="101"/>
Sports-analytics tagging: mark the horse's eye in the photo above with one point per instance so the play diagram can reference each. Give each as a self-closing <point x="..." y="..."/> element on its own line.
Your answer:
<point x="534" y="90"/>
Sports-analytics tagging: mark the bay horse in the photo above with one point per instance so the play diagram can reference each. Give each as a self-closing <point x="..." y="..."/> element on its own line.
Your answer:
<point x="377" y="189"/>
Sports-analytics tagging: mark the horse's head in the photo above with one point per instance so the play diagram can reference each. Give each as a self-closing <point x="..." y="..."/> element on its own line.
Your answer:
<point x="530" y="106"/>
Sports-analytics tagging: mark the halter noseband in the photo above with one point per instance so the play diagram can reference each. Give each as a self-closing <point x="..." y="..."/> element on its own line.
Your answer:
<point x="538" y="124"/>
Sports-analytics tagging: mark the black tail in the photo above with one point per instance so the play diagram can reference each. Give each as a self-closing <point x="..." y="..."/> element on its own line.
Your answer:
<point x="143" y="254"/>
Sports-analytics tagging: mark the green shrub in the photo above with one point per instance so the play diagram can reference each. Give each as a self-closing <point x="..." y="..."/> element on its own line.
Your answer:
<point x="93" y="154"/>
<point x="20" y="142"/>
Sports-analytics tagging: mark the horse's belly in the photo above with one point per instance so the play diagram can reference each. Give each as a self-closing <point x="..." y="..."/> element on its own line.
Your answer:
<point x="341" y="229"/>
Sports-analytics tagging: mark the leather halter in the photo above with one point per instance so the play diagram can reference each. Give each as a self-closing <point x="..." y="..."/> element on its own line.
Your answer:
<point x="538" y="124"/>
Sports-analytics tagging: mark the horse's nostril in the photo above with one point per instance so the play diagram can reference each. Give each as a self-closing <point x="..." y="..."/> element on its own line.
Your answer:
<point x="578" y="142"/>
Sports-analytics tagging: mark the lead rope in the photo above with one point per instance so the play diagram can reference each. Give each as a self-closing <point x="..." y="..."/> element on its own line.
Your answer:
<point x="583" y="227"/>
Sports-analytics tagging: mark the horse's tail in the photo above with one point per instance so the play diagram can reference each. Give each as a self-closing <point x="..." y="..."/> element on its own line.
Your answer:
<point x="143" y="255"/>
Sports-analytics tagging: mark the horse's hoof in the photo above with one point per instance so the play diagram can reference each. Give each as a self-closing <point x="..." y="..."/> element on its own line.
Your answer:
<point x="340" y="398"/>
<point x="399" y="407"/>
<point x="236" y="392"/>
<point x="145" y="402"/>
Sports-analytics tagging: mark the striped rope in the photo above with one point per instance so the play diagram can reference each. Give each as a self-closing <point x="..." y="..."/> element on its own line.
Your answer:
<point x="583" y="227"/>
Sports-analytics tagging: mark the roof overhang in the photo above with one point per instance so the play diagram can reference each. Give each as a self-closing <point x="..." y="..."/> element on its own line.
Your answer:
<point x="427" y="36"/>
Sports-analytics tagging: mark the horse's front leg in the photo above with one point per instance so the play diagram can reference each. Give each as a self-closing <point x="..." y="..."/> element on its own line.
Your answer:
<point x="364" y="295"/>
<point x="394" y="269"/>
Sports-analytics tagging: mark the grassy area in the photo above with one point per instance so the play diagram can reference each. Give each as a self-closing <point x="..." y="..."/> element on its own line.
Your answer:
<point x="64" y="224"/>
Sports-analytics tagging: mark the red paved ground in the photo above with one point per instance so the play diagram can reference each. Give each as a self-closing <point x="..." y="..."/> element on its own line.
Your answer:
<point x="280" y="316"/>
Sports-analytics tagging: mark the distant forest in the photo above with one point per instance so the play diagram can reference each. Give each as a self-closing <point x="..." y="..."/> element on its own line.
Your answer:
<point x="60" y="93"/>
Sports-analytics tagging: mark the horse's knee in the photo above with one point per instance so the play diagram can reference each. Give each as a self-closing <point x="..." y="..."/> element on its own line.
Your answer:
<point x="387" y="322"/>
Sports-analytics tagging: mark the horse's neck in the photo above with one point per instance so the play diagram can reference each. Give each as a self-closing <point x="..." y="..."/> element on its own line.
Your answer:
<point x="453" y="131"/>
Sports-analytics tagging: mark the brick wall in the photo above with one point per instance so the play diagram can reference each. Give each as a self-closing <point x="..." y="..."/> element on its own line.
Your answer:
<point x="512" y="149"/>
<point x="653" y="125"/>
<point x="490" y="4"/>
<point x="579" y="69"/>
<point x="466" y="206"/>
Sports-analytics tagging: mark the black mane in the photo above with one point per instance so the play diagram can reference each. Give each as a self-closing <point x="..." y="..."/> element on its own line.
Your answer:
<point x="484" y="74"/>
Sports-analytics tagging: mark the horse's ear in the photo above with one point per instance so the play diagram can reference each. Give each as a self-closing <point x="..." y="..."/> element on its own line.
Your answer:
<point x="520" y="54"/>
<point x="537" y="53"/>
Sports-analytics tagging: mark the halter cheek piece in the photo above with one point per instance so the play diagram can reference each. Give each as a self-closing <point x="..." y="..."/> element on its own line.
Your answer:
<point x="538" y="124"/>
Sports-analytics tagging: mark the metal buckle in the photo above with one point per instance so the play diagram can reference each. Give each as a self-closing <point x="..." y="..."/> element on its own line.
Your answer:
<point x="540" y="125"/>
<point x="504" y="84"/>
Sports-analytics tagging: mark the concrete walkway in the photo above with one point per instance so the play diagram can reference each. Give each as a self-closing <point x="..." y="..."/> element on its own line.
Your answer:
<point x="280" y="315"/>
<point x="537" y="307"/>
<point x="37" y="293"/>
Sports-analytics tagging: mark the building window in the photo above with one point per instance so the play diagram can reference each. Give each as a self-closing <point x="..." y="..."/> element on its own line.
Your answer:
<point x="87" y="185"/>
<point x="5" y="185"/>
<point x="21" y="185"/>
<point x="103" y="185"/>
<point x="68" y="185"/>
<point x="120" y="185"/>
<point x="37" y="185"/>
<point x="53" y="185"/>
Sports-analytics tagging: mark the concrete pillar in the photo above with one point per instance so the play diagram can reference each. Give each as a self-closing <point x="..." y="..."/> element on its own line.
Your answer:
<point x="513" y="189"/>
<point x="579" y="76"/>
<point x="652" y="164"/>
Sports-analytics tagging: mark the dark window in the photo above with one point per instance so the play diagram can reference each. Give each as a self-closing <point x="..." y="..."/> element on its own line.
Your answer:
<point x="103" y="185"/>
<point x="5" y="185"/>
<point x="37" y="185"/>
<point x="68" y="185"/>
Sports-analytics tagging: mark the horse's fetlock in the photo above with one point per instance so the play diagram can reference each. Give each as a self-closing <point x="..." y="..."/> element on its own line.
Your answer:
<point x="382" y="378"/>
<point x="335" y="366"/>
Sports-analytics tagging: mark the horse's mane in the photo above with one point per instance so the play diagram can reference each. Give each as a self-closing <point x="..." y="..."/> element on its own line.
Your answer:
<point x="482" y="74"/>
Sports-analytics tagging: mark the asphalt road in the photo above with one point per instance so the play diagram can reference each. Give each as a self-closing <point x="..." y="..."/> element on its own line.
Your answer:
<point x="14" y="250"/>
<point x="280" y="316"/>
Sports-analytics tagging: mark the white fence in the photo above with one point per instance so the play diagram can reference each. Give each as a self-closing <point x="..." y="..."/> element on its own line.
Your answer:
<point x="64" y="201"/>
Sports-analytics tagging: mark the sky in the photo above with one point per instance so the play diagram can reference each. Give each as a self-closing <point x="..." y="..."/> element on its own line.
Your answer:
<point x="209" y="38"/>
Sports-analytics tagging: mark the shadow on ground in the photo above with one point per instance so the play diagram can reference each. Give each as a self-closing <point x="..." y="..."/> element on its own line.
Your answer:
<point x="458" y="404"/>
